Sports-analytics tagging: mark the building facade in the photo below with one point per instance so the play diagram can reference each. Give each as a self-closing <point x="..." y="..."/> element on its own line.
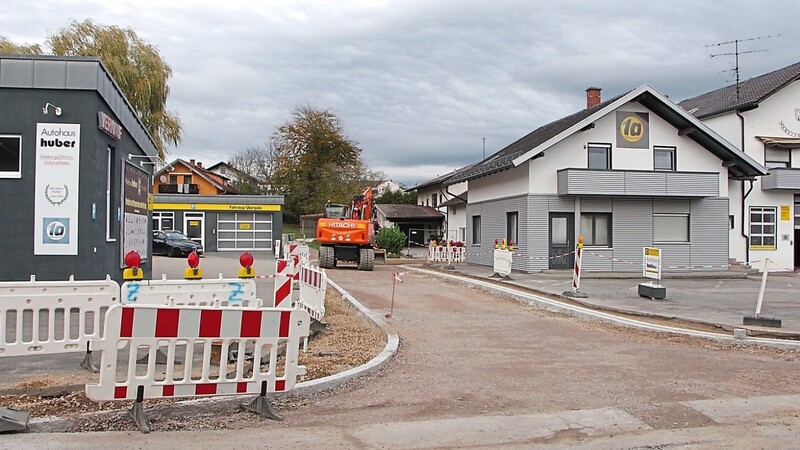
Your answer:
<point x="75" y="170"/>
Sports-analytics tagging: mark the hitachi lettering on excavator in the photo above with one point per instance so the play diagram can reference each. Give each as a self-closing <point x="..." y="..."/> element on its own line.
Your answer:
<point x="346" y="233"/>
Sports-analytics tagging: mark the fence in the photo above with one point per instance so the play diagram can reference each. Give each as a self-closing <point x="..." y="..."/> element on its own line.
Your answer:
<point x="193" y="368"/>
<point x="313" y="286"/>
<point x="204" y="292"/>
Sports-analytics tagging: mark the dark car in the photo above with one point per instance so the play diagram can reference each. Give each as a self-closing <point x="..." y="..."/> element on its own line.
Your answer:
<point x="174" y="243"/>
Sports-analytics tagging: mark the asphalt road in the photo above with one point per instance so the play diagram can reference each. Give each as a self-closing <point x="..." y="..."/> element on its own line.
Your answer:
<point x="481" y="371"/>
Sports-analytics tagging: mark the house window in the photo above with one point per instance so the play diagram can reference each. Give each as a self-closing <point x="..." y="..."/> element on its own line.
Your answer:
<point x="173" y="179"/>
<point x="512" y="226"/>
<point x="10" y="156"/>
<point x="763" y="227"/>
<point x="110" y="210"/>
<point x="670" y="227"/>
<point x="596" y="229"/>
<point x="434" y="202"/>
<point x="476" y="229"/>
<point x="664" y="159"/>
<point x="187" y="179"/>
<point x="599" y="156"/>
<point x="774" y="157"/>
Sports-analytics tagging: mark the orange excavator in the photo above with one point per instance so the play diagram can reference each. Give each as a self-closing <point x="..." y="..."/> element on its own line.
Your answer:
<point x="347" y="233"/>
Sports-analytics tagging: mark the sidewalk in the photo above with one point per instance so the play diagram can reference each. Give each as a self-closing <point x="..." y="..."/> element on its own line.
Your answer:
<point x="721" y="299"/>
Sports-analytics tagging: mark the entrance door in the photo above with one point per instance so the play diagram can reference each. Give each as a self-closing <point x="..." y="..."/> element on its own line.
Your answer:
<point x="562" y="230"/>
<point x="193" y="226"/>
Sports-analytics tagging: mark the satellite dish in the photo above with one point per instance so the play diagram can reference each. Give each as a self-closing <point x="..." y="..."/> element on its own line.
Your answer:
<point x="163" y="178"/>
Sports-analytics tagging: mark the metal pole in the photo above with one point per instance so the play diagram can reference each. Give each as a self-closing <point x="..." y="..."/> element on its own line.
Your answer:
<point x="391" y="308"/>
<point x="763" y="287"/>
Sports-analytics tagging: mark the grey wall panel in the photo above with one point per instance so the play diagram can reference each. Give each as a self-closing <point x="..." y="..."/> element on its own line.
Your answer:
<point x="81" y="75"/>
<point x="675" y="257"/>
<point x="16" y="73"/>
<point x="632" y="229"/>
<point x="693" y="184"/>
<point x="537" y="233"/>
<point x="645" y="183"/>
<point x="672" y="205"/>
<point x="596" y="204"/>
<point x="561" y="203"/>
<point x="597" y="260"/>
<point x="588" y="182"/>
<point x="708" y="228"/>
<point x="48" y="74"/>
<point x="781" y="178"/>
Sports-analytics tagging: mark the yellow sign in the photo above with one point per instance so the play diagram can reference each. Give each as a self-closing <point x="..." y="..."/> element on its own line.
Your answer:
<point x="193" y="223"/>
<point x="244" y="226"/>
<point x="213" y="207"/>
<point x="631" y="128"/>
<point x="650" y="251"/>
<point x="786" y="213"/>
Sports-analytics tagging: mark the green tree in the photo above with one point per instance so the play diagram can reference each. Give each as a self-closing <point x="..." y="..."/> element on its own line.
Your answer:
<point x="135" y="65"/>
<point x="312" y="161"/>
<point x="397" y="198"/>
<point x="391" y="239"/>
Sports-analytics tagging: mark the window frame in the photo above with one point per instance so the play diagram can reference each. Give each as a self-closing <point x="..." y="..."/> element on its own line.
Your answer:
<point x="673" y="241"/>
<point x="512" y="227"/>
<point x="13" y="174"/>
<point x="476" y="230"/>
<point x="592" y="237"/>
<point x="672" y="151"/>
<point x="764" y="211"/>
<point x="771" y="163"/>
<point x="606" y="148"/>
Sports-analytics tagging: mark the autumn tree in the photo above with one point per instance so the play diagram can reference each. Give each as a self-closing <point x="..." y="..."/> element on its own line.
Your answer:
<point x="314" y="162"/>
<point x="253" y="166"/>
<point x="135" y="65"/>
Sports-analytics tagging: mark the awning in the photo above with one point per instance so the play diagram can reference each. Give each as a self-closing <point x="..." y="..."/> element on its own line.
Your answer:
<point x="780" y="142"/>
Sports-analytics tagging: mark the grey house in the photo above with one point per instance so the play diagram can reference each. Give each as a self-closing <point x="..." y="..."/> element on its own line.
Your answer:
<point x="75" y="171"/>
<point x="630" y="172"/>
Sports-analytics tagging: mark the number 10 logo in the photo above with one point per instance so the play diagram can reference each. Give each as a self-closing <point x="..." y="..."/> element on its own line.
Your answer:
<point x="631" y="129"/>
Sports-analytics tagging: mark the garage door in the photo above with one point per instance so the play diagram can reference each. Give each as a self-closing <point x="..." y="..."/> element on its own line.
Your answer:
<point x="244" y="231"/>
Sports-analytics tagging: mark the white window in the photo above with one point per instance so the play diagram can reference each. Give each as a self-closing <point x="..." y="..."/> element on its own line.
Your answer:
<point x="774" y="157"/>
<point x="664" y="159"/>
<point x="10" y="156"/>
<point x="670" y="228"/>
<point x="599" y="156"/>
<point x="763" y="227"/>
<point x="596" y="229"/>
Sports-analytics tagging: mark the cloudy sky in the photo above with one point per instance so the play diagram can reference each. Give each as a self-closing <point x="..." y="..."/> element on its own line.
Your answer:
<point x="422" y="84"/>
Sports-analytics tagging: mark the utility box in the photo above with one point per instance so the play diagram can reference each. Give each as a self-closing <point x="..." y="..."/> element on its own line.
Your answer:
<point x="652" y="291"/>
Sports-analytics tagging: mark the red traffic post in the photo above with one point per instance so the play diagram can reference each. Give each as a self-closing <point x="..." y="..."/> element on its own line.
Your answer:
<point x="132" y="263"/>
<point x="246" y="261"/>
<point x="193" y="272"/>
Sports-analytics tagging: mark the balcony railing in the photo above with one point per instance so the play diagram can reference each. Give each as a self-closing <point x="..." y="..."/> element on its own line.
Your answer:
<point x="178" y="189"/>
<point x="781" y="178"/>
<point x="638" y="183"/>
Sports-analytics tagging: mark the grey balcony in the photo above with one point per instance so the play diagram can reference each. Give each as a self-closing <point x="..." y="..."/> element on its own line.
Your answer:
<point x="637" y="183"/>
<point x="781" y="178"/>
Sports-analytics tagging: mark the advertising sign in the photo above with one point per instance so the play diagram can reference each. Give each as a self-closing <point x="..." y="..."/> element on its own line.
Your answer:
<point x="58" y="148"/>
<point x="651" y="263"/>
<point x="135" y="192"/>
<point x="633" y="129"/>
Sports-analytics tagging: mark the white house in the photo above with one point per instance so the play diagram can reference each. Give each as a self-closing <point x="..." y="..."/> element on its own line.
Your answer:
<point x="633" y="171"/>
<point x="762" y="117"/>
<point x="449" y="199"/>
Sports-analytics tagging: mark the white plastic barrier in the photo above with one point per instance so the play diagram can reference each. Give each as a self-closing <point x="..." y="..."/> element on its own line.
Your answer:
<point x="211" y="292"/>
<point x="313" y="285"/>
<point x="48" y="317"/>
<point x="441" y="253"/>
<point x="502" y="262"/>
<point x="186" y="330"/>
<point x="284" y="276"/>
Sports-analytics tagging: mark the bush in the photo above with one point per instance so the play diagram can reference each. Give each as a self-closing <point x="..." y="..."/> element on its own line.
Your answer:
<point x="391" y="239"/>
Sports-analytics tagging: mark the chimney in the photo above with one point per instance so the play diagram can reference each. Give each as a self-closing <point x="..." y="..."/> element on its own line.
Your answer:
<point x="191" y="161"/>
<point x="199" y="164"/>
<point x="592" y="97"/>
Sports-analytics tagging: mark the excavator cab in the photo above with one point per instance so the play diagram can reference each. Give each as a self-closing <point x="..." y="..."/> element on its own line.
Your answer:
<point x="334" y="211"/>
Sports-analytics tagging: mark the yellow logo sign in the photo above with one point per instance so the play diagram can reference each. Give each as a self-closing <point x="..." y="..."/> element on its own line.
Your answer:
<point x="631" y="129"/>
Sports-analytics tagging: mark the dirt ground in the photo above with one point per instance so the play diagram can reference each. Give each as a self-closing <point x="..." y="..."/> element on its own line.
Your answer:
<point x="465" y="352"/>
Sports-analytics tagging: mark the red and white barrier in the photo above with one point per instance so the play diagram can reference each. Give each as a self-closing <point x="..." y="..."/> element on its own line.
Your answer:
<point x="49" y="317"/>
<point x="449" y="254"/>
<point x="204" y="292"/>
<point x="313" y="286"/>
<point x="284" y="276"/>
<point x="186" y="330"/>
<point x="299" y="253"/>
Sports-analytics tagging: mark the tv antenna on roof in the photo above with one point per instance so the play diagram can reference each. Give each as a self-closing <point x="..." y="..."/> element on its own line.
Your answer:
<point x="736" y="54"/>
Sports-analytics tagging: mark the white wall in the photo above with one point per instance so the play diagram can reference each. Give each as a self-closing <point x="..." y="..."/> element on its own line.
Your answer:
<point x="763" y="121"/>
<point x="508" y="183"/>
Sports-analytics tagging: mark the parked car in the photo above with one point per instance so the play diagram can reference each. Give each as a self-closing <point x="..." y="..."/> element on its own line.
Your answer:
<point x="174" y="243"/>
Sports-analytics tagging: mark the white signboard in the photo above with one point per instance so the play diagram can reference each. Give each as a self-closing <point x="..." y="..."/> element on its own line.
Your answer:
<point x="502" y="262"/>
<point x="55" y="230"/>
<point x="651" y="262"/>
<point x="135" y="192"/>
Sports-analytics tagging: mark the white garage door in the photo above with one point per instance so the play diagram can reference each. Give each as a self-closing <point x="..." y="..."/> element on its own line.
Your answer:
<point x="244" y="231"/>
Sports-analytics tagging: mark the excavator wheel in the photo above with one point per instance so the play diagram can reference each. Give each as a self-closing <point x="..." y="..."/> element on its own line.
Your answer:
<point x="327" y="257"/>
<point x="366" y="259"/>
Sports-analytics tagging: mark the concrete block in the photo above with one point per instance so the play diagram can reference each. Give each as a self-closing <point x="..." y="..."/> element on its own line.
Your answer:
<point x="762" y="321"/>
<point x="653" y="291"/>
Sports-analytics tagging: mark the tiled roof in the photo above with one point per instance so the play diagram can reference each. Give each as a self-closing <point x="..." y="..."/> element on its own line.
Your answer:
<point x="502" y="160"/>
<point x="409" y="212"/>
<point x="751" y="93"/>
<point x="442" y="179"/>
<point x="459" y="200"/>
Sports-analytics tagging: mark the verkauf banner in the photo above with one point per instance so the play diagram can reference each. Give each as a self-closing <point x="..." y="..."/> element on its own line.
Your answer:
<point x="58" y="148"/>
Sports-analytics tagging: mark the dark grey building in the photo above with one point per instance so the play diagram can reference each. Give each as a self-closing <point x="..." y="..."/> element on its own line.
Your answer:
<point x="75" y="171"/>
